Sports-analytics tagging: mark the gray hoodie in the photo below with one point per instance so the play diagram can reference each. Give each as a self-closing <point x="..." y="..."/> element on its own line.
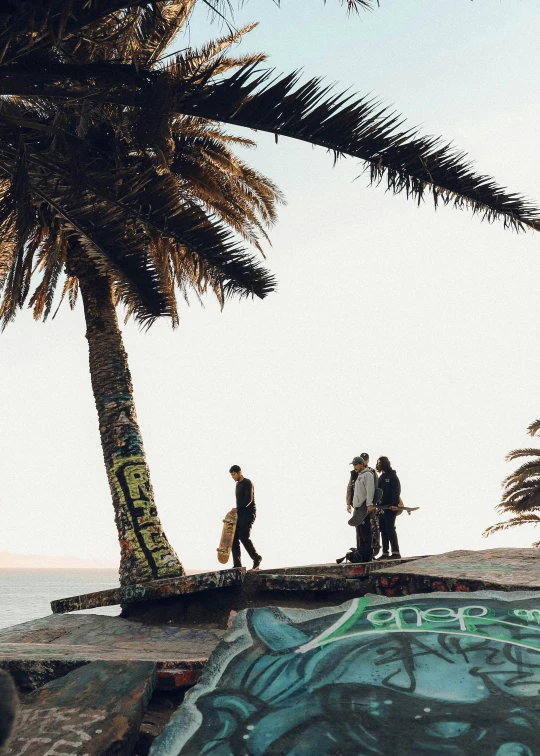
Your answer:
<point x="364" y="489"/>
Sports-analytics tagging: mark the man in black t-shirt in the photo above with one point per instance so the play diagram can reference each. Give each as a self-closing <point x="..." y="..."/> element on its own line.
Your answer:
<point x="245" y="507"/>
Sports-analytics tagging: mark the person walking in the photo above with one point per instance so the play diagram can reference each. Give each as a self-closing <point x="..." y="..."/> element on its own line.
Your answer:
<point x="368" y="536"/>
<point x="362" y="501"/>
<point x="388" y="508"/>
<point x="245" y="507"/>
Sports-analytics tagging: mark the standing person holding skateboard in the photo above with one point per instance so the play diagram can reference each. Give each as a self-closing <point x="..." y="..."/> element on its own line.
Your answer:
<point x="389" y="507"/>
<point x="364" y="508"/>
<point x="369" y="531"/>
<point x="245" y="506"/>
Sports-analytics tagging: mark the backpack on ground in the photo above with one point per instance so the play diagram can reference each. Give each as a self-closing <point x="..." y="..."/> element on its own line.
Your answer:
<point x="356" y="556"/>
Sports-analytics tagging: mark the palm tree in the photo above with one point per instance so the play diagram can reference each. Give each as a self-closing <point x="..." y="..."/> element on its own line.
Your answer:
<point x="115" y="170"/>
<point x="521" y="490"/>
<point x="49" y="219"/>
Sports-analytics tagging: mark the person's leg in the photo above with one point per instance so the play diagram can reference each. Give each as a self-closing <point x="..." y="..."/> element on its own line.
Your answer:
<point x="391" y="530"/>
<point x="363" y="540"/>
<point x="244" y="533"/>
<point x="384" y="536"/>
<point x="358" y="529"/>
<point x="237" y="560"/>
<point x="375" y="534"/>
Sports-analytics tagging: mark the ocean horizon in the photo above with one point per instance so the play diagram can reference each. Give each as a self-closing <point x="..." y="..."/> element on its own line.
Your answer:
<point x="26" y="593"/>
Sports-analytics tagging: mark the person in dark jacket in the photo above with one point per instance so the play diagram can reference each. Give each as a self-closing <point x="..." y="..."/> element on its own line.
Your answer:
<point x="388" y="507"/>
<point x="245" y="507"/>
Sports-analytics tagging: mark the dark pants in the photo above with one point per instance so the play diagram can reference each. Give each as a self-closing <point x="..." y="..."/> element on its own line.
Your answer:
<point x="367" y="537"/>
<point x="246" y="518"/>
<point x="388" y="532"/>
<point x="363" y="540"/>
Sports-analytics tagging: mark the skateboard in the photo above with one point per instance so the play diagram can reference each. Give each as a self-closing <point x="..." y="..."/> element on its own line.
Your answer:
<point x="399" y="510"/>
<point x="227" y="536"/>
<point x="360" y="513"/>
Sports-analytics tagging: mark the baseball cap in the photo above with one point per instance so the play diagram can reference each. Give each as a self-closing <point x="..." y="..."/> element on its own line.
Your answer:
<point x="358" y="461"/>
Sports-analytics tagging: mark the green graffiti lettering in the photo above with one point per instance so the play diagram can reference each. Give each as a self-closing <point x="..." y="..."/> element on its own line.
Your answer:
<point x="142" y="534"/>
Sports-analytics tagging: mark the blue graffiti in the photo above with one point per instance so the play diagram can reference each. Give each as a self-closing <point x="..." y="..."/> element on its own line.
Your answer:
<point x="432" y="675"/>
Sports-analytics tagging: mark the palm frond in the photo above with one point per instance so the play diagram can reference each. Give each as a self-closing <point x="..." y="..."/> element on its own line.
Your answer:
<point x="518" y="453"/>
<point x="136" y="203"/>
<point x="524" y="519"/>
<point x="361" y="128"/>
<point x="78" y="29"/>
<point x="532" y="467"/>
<point x="533" y="428"/>
<point x="357" y="5"/>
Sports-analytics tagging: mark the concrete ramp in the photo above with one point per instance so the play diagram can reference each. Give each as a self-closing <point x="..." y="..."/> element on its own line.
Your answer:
<point x="436" y="674"/>
<point x="39" y="651"/>
<point x="492" y="569"/>
<point x="93" y="711"/>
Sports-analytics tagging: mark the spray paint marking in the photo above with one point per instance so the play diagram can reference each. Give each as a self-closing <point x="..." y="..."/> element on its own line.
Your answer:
<point x="145" y="536"/>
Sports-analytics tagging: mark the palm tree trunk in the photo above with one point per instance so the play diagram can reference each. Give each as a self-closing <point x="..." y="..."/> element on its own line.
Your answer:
<point x="145" y="553"/>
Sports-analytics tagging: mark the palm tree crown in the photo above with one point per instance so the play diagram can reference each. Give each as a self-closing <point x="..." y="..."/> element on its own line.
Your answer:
<point x="105" y="139"/>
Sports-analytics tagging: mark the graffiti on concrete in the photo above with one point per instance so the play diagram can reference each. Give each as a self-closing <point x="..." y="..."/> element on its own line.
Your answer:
<point x="53" y="731"/>
<point x="435" y="674"/>
<point x="151" y="591"/>
<point x="95" y="710"/>
<point x="492" y="569"/>
<point x="142" y="534"/>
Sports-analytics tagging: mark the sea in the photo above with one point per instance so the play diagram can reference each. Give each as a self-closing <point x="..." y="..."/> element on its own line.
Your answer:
<point x="27" y="594"/>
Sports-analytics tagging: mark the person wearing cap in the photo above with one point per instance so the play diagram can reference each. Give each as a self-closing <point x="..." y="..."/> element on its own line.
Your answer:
<point x="354" y="475"/>
<point x="365" y="482"/>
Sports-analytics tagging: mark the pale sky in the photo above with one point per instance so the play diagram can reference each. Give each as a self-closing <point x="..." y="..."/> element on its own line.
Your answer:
<point x="395" y="330"/>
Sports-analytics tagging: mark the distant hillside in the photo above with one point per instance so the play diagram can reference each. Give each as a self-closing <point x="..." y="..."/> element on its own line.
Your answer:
<point x="37" y="561"/>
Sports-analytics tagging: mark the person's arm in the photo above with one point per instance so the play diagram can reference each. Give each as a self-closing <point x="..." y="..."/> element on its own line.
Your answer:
<point x="251" y="493"/>
<point x="396" y="491"/>
<point x="350" y="494"/>
<point x="356" y="490"/>
<point x="370" y="489"/>
<point x="245" y="494"/>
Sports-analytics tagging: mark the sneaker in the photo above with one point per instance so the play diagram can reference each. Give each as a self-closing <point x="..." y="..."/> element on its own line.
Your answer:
<point x="256" y="563"/>
<point x="394" y="556"/>
<point x="382" y="557"/>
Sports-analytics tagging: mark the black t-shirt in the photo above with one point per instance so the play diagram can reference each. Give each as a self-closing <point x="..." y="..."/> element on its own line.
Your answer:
<point x="245" y="495"/>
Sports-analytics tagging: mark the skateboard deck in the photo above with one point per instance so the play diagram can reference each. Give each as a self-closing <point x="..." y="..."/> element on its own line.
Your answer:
<point x="227" y="536"/>
<point x="399" y="510"/>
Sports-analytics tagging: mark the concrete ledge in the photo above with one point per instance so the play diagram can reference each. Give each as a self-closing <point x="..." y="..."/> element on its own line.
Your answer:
<point x="336" y="570"/>
<point x="45" y="649"/>
<point x="155" y="589"/>
<point x="96" y="710"/>
<point x="491" y="569"/>
<point x="266" y="582"/>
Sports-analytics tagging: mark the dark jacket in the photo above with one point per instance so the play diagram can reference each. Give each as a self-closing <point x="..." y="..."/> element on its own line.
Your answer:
<point x="391" y="488"/>
<point x="245" y="496"/>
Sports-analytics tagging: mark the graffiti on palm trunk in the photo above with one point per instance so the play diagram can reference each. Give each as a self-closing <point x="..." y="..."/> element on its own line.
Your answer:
<point x="143" y="535"/>
<point x="435" y="674"/>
